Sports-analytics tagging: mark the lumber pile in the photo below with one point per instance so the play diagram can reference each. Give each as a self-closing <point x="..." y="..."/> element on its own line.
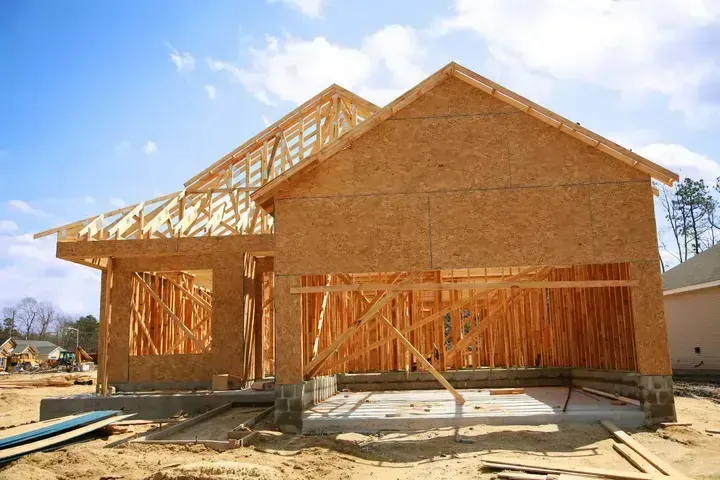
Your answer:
<point x="657" y="467"/>
<point x="552" y="471"/>
<point x="54" y="381"/>
<point x="649" y="466"/>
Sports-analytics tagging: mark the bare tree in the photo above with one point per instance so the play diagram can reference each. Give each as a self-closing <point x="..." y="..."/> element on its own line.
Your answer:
<point x="47" y="315"/>
<point x="9" y="317"/>
<point x="668" y="203"/>
<point x="27" y="315"/>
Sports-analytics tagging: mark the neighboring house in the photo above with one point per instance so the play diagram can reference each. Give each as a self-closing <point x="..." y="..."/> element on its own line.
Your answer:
<point x="23" y="354"/>
<point x="6" y="348"/>
<point x="692" y="309"/>
<point x="45" y="350"/>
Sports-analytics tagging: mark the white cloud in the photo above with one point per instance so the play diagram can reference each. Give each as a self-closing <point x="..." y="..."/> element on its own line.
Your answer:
<point x="183" y="61"/>
<point x="7" y="226"/>
<point x="265" y="120"/>
<point x="211" y="91"/>
<point x="387" y="63"/>
<point x="117" y="202"/>
<point x="150" y="147"/>
<point x="682" y="161"/>
<point x="636" y="47"/>
<point x="24" y="207"/>
<point x="89" y="200"/>
<point x="311" y="8"/>
<point x="29" y="268"/>
<point x="122" y="148"/>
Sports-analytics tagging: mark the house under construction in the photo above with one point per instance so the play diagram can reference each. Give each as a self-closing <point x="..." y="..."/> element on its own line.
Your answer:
<point x="461" y="229"/>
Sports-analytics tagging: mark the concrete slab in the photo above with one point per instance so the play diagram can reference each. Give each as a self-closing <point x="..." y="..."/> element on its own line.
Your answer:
<point x="154" y="405"/>
<point x="422" y="409"/>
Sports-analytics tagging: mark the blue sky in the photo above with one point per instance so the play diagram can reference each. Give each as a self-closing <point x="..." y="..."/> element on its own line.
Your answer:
<point x="107" y="103"/>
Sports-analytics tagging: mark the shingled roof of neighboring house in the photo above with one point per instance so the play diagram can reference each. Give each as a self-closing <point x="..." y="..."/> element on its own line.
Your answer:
<point x="43" y="347"/>
<point x="700" y="269"/>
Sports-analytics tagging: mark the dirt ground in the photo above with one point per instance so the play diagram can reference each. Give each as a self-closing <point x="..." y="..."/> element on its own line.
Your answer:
<point x="429" y="454"/>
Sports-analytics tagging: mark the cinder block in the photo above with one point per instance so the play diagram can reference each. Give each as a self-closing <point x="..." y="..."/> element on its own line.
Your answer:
<point x="281" y="404"/>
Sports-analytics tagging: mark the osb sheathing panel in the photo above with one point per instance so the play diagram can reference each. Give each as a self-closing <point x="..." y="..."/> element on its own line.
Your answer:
<point x="171" y="368"/>
<point x="623" y="222"/>
<point x="454" y="97"/>
<point x="288" y="331"/>
<point x="119" y="335"/>
<point x="352" y="234"/>
<point x="455" y="138"/>
<point x="327" y="179"/>
<point x="653" y="357"/>
<point x="227" y="319"/>
<point x="533" y="226"/>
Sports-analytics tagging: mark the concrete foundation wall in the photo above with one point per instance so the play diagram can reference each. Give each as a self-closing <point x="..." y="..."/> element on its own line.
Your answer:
<point x="292" y="399"/>
<point x="152" y="406"/>
<point x="623" y="383"/>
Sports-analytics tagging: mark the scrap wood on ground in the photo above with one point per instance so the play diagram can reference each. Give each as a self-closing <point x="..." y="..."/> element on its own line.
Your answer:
<point x="52" y="434"/>
<point x="649" y="465"/>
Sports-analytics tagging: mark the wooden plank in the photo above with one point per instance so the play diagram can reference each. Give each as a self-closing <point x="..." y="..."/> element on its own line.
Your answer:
<point x="507" y="391"/>
<point x="635" y="460"/>
<point x="675" y="424"/>
<point x="654" y="460"/>
<point x="262" y="244"/>
<point x="360" y="287"/>
<point x="11" y="453"/>
<point x="421" y="358"/>
<point x="612" y="396"/>
<point x="379" y="301"/>
<point x="712" y="430"/>
<point x="531" y="466"/>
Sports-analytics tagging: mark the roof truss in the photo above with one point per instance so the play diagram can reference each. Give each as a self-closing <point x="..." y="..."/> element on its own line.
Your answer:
<point x="217" y="200"/>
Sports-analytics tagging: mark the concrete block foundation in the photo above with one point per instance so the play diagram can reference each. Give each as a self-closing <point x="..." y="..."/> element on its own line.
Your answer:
<point x="657" y="400"/>
<point x="292" y="399"/>
<point x="153" y="406"/>
<point x="655" y="393"/>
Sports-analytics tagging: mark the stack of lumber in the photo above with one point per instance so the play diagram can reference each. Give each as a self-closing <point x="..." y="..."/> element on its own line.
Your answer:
<point x="649" y="465"/>
<point x="54" y="381"/>
<point x="539" y="470"/>
<point x="52" y="434"/>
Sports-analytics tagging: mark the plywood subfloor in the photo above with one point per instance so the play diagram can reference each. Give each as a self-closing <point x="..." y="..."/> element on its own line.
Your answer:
<point x="422" y="409"/>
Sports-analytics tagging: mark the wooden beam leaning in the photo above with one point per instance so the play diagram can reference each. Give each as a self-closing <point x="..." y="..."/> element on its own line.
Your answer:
<point x="425" y="321"/>
<point x="421" y="358"/>
<point x="654" y="460"/>
<point x="198" y="344"/>
<point x="360" y="287"/>
<point x="378" y="302"/>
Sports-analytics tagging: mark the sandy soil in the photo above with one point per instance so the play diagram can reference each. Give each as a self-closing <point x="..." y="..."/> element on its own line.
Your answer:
<point x="429" y="454"/>
<point x="21" y="406"/>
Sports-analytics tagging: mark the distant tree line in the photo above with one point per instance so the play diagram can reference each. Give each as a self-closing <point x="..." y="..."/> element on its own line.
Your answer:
<point x="691" y="212"/>
<point x="29" y="319"/>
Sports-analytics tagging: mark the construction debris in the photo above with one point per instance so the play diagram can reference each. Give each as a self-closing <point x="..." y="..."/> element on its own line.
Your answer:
<point x="507" y="391"/>
<point x="613" y="396"/>
<point x="501" y="463"/>
<point x="664" y="467"/>
<point x="20" y="441"/>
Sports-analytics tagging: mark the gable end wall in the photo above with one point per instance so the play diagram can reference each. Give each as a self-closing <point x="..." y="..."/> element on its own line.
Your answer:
<point x="459" y="179"/>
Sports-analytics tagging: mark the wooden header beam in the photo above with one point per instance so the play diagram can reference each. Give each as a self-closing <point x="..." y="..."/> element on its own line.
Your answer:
<point x="262" y="245"/>
<point x="366" y="287"/>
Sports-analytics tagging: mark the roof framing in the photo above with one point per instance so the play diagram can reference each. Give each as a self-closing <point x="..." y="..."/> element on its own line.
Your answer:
<point x="217" y="201"/>
<point x="264" y="195"/>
